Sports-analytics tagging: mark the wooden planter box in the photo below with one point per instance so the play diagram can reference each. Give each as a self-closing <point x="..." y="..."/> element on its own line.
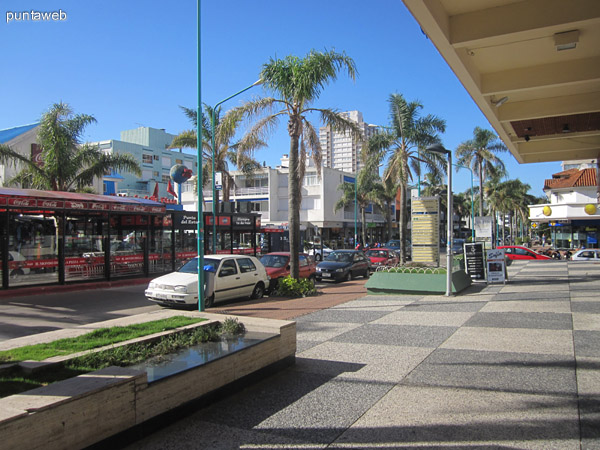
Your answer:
<point x="416" y="283"/>
<point x="84" y="410"/>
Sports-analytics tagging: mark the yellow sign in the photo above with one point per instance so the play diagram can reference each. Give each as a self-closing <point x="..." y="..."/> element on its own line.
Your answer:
<point x="425" y="219"/>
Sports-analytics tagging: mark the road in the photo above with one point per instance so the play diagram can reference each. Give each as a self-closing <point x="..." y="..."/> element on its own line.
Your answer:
<point x="26" y="315"/>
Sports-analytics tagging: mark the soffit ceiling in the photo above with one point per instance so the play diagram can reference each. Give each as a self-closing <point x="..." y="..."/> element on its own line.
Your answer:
<point x="507" y="48"/>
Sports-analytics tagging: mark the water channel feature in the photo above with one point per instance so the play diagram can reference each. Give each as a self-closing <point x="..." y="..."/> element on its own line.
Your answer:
<point x="197" y="355"/>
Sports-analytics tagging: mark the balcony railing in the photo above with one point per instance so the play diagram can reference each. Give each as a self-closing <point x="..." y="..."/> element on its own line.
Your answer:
<point x="240" y="192"/>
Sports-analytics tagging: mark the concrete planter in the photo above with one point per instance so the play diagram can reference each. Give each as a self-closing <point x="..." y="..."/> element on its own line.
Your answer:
<point x="416" y="283"/>
<point x="87" y="409"/>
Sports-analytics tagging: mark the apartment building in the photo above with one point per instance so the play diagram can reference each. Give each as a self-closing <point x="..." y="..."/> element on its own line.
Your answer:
<point x="266" y="192"/>
<point x="341" y="150"/>
<point x="150" y="147"/>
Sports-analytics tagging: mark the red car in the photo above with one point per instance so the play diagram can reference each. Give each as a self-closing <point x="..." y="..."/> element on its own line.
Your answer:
<point x="382" y="257"/>
<point x="278" y="266"/>
<point x="518" y="252"/>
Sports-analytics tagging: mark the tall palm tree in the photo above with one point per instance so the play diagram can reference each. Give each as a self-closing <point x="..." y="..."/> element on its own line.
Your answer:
<point x="67" y="164"/>
<point x="368" y="188"/>
<point x="405" y="143"/>
<point x="226" y="151"/>
<point x="479" y="154"/>
<point x="296" y="83"/>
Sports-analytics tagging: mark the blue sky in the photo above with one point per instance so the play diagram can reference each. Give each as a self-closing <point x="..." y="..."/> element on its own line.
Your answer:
<point x="133" y="63"/>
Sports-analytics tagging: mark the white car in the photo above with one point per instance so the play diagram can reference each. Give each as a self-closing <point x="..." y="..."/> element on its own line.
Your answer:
<point x="314" y="250"/>
<point x="17" y="263"/>
<point x="235" y="276"/>
<point x="586" y="254"/>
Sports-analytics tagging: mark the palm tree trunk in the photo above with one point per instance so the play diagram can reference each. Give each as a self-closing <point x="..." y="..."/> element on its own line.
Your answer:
<point x="363" y="218"/>
<point x="480" y="191"/>
<point x="294" y="127"/>
<point x="403" y="223"/>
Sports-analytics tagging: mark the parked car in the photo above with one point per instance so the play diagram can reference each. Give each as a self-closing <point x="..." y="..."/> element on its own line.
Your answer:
<point x="516" y="252"/>
<point x="314" y="250"/>
<point x="344" y="265"/>
<point x="586" y="254"/>
<point x="458" y="246"/>
<point x="277" y="265"/>
<point x="235" y="276"/>
<point x="393" y="244"/>
<point x="382" y="257"/>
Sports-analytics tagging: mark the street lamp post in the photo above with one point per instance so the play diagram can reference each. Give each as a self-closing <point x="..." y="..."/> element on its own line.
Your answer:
<point x="212" y="145"/>
<point x="472" y="205"/>
<point x="200" y="226"/>
<point x="438" y="148"/>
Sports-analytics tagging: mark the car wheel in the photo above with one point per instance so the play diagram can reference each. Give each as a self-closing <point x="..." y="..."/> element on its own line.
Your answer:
<point x="258" y="292"/>
<point x="349" y="276"/>
<point x="367" y="273"/>
<point x="317" y="257"/>
<point x="209" y="301"/>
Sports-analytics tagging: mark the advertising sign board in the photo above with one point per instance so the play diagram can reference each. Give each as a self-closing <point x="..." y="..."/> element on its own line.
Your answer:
<point x="496" y="266"/>
<point x="474" y="261"/>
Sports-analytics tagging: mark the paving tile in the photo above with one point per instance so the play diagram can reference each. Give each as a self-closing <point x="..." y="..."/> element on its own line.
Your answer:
<point x="540" y="320"/>
<point x="586" y="321"/>
<point x="587" y="343"/>
<point x="407" y="316"/>
<point x="381" y="363"/>
<point x="192" y="434"/>
<point x="445" y="305"/>
<point x="342" y="316"/>
<point x="497" y="371"/>
<point x="534" y="288"/>
<point x="411" y="417"/>
<point x="518" y="340"/>
<point x="378" y="303"/>
<point x="528" y="306"/>
<point x="586" y="307"/>
<point x="307" y="330"/>
<point x="398" y="335"/>
<point x="534" y="295"/>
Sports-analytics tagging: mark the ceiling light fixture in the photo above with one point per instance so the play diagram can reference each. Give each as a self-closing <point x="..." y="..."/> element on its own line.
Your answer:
<point x="567" y="40"/>
<point x="527" y="138"/>
<point x="566" y="128"/>
<point x="500" y="102"/>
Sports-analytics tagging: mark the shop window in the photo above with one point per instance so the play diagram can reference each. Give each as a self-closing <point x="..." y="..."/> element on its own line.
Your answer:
<point x="146" y="158"/>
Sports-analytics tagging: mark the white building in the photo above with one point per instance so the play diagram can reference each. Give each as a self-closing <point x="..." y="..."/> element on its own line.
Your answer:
<point x="342" y="150"/>
<point x="23" y="140"/>
<point x="572" y="212"/>
<point x="150" y="147"/>
<point x="266" y="192"/>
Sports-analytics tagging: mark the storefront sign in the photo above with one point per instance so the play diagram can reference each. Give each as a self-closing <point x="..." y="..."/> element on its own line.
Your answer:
<point x="22" y="202"/>
<point x="496" y="266"/>
<point x="474" y="261"/>
<point x="425" y="225"/>
<point x="50" y="204"/>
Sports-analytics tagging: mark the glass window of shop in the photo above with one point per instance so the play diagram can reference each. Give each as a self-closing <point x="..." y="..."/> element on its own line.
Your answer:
<point x="161" y="243"/>
<point x="128" y="235"/>
<point x="85" y="241"/>
<point x="32" y="248"/>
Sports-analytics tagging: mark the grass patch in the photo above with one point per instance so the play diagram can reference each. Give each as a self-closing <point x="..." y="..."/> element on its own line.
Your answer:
<point x="14" y="380"/>
<point x="95" y="339"/>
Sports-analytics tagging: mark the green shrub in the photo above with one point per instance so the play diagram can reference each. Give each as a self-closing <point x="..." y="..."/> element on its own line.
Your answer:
<point x="231" y="326"/>
<point x="290" y="287"/>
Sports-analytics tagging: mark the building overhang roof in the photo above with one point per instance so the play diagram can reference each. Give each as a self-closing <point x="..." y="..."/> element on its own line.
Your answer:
<point x="542" y="100"/>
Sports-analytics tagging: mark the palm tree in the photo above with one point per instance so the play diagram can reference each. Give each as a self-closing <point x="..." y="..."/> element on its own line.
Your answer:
<point x="368" y="187"/>
<point x="226" y="152"/>
<point x="405" y="143"/>
<point x="67" y="165"/>
<point x="479" y="154"/>
<point x="297" y="83"/>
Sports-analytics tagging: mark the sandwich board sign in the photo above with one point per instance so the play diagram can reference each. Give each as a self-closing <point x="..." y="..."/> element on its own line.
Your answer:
<point x="474" y="261"/>
<point x="496" y="266"/>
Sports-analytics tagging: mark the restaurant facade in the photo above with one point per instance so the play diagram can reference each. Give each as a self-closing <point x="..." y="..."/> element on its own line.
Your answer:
<point x="64" y="237"/>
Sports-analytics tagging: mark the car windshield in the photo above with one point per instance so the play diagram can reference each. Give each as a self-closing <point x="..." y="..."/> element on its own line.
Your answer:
<point x="192" y="265"/>
<point x="276" y="261"/>
<point x="340" y="257"/>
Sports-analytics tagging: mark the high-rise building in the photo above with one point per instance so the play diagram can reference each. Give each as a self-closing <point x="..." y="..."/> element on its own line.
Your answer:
<point x="341" y="150"/>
